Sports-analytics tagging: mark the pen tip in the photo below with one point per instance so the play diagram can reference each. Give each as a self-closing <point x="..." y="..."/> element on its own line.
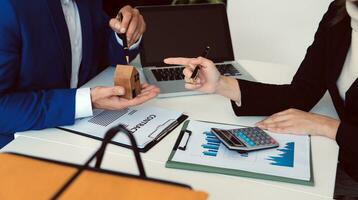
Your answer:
<point x="127" y="58"/>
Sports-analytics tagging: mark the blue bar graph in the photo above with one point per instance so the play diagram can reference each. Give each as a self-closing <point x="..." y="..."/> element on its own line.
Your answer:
<point x="212" y="145"/>
<point x="208" y="153"/>
<point x="209" y="134"/>
<point x="286" y="157"/>
<point x="212" y="140"/>
<point x="245" y="155"/>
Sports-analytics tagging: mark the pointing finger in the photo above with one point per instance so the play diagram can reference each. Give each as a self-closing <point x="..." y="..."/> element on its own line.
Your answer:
<point x="178" y="61"/>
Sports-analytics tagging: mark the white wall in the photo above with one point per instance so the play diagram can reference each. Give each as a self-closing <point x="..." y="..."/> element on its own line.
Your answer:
<point x="276" y="31"/>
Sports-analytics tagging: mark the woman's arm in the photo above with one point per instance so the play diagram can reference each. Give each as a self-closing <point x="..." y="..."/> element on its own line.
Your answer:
<point x="347" y="138"/>
<point x="306" y="89"/>
<point x="300" y="122"/>
<point x="251" y="98"/>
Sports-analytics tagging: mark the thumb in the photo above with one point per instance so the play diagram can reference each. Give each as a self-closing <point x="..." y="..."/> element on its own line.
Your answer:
<point x="115" y="91"/>
<point x="115" y="25"/>
<point x="105" y="92"/>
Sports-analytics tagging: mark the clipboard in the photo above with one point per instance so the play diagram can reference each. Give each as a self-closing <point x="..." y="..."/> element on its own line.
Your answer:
<point x="105" y="78"/>
<point x="182" y="143"/>
<point x="148" y="146"/>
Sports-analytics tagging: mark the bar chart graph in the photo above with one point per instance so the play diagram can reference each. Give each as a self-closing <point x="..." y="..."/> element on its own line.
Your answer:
<point x="285" y="157"/>
<point x="205" y="152"/>
<point x="211" y="145"/>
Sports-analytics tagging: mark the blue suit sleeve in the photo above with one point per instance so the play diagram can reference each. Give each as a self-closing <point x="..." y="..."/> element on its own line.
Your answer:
<point x="26" y="110"/>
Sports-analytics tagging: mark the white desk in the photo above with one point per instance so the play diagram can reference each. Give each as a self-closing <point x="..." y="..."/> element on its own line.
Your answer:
<point x="61" y="145"/>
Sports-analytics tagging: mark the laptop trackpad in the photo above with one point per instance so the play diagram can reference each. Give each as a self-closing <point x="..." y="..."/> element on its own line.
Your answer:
<point x="171" y="86"/>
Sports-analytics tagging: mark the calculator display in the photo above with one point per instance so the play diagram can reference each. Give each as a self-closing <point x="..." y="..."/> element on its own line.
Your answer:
<point x="245" y="139"/>
<point x="229" y="137"/>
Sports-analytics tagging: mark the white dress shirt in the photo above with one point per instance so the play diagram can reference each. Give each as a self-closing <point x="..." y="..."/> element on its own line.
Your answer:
<point x="350" y="69"/>
<point x="83" y="95"/>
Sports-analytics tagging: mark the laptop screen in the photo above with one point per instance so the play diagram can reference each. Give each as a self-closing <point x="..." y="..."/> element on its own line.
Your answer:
<point x="185" y="31"/>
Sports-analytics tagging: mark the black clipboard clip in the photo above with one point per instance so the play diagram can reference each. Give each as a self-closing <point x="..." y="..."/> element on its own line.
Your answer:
<point x="185" y="139"/>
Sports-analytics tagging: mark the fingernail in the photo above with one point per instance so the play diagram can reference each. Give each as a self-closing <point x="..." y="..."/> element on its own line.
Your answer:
<point x="121" y="91"/>
<point x="260" y="126"/>
<point x="123" y="30"/>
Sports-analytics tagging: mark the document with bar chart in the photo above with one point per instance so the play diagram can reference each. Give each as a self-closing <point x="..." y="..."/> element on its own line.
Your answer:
<point x="148" y="124"/>
<point x="290" y="162"/>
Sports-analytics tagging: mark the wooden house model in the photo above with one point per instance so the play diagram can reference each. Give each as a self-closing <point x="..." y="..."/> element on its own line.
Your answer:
<point x="127" y="77"/>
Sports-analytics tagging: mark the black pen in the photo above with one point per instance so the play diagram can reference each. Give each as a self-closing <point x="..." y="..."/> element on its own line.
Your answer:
<point x="195" y="73"/>
<point x="124" y="39"/>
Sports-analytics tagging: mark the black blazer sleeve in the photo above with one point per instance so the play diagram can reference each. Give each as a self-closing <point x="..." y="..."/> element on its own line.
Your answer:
<point x="306" y="89"/>
<point x="347" y="137"/>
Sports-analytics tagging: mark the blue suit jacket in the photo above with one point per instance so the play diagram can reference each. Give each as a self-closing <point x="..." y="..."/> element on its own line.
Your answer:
<point x="35" y="62"/>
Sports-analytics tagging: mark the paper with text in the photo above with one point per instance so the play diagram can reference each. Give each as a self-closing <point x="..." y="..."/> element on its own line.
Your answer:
<point x="146" y="123"/>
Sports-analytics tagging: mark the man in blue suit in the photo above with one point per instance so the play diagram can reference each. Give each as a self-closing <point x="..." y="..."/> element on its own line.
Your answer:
<point x="49" y="48"/>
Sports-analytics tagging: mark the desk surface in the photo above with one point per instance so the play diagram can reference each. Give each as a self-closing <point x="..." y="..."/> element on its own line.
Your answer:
<point x="61" y="145"/>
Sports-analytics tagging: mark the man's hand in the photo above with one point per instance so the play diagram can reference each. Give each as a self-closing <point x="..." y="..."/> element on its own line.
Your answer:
<point x="301" y="123"/>
<point x="132" y="24"/>
<point x="109" y="98"/>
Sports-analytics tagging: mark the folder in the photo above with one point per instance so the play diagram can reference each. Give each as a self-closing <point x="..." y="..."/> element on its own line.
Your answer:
<point x="28" y="177"/>
<point x="183" y="142"/>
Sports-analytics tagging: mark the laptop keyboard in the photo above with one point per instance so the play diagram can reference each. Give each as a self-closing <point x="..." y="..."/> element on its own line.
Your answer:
<point x="168" y="74"/>
<point x="228" y="70"/>
<point x="176" y="73"/>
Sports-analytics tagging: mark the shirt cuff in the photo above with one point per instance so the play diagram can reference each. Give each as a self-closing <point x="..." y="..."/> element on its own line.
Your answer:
<point x="238" y="103"/>
<point x="83" y="103"/>
<point x="134" y="46"/>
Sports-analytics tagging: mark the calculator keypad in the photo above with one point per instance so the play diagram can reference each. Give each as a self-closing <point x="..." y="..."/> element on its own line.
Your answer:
<point x="254" y="136"/>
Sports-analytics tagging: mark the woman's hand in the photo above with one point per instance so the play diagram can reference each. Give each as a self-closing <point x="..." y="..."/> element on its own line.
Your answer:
<point x="209" y="79"/>
<point x="132" y="24"/>
<point x="109" y="98"/>
<point x="301" y="123"/>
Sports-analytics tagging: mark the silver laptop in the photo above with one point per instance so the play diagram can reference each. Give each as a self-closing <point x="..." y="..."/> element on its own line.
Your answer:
<point x="185" y="31"/>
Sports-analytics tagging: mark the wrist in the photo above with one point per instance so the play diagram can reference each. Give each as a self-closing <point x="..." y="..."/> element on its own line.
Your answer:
<point x="329" y="127"/>
<point x="333" y="129"/>
<point x="220" y="85"/>
<point x="229" y="88"/>
<point x="91" y="93"/>
<point x="93" y="96"/>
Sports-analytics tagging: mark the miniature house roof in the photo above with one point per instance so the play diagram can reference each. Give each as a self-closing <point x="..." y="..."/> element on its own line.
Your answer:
<point x="126" y="72"/>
